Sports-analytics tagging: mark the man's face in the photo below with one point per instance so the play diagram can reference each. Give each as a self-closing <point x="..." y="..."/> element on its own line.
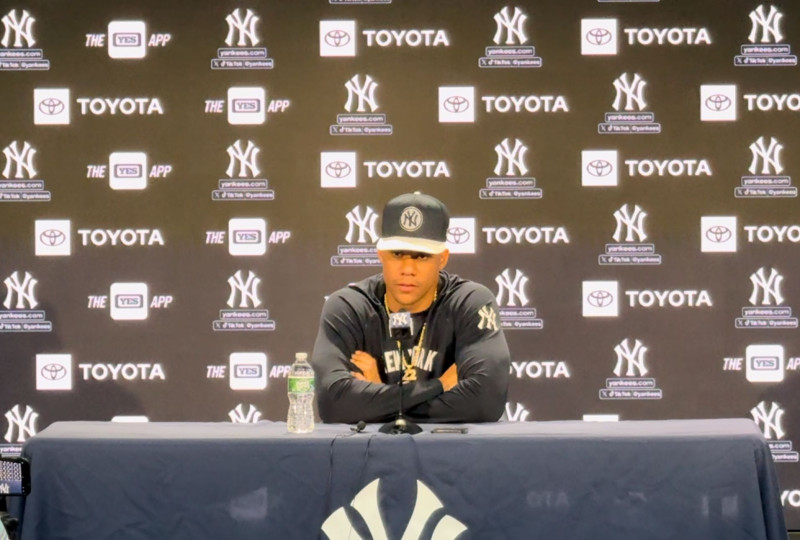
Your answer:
<point x="411" y="278"/>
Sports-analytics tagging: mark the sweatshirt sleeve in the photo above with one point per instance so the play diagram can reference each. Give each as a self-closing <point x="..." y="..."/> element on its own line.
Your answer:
<point x="482" y="359"/>
<point x="341" y="398"/>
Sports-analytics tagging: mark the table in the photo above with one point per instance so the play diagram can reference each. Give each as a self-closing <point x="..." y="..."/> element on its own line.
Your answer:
<point x="687" y="479"/>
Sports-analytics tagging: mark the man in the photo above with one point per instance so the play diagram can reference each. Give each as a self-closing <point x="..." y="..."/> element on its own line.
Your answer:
<point x="457" y="366"/>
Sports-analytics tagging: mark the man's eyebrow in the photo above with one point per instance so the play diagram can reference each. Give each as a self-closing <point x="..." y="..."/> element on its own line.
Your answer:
<point x="411" y="253"/>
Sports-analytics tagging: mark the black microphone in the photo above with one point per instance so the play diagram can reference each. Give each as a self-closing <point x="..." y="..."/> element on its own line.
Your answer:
<point x="401" y="328"/>
<point x="358" y="428"/>
<point x="401" y="325"/>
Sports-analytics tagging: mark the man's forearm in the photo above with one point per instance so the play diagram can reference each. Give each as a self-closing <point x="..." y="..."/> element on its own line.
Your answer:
<point x="349" y="400"/>
<point x="474" y="400"/>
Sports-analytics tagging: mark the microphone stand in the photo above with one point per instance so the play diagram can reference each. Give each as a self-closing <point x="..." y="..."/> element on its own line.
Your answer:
<point x="400" y="425"/>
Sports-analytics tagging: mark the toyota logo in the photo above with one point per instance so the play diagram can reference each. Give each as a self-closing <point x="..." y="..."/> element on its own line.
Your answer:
<point x="599" y="167"/>
<point x="600" y="299"/>
<point x="51" y="106"/>
<point x="337" y="169"/>
<point x="457" y="235"/>
<point x="718" y="102"/>
<point x="719" y="234"/>
<point x="456" y="104"/>
<point x="337" y="38"/>
<point x="598" y="36"/>
<point x="53" y="372"/>
<point x="52" y="237"/>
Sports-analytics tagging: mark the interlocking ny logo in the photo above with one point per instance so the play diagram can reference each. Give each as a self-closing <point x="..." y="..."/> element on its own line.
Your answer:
<point x="365" y="224"/>
<point x="769" y="287"/>
<point x="23" y="290"/>
<point x="770" y="422"/>
<point x="769" y="25"/>
<point x="247" y="289"/>
<point x="770" y="156"/>
<point x="245" y="159"/>
<point x="246" y="28"/>
<point x="22" y="28"/>
<point x="513" y="25"/>
<point x="513" y="288"/>
<point x="632" y="90"/>
<point x="365" y="93"/>
<point x="20" y="160"/>
<point x="339" y="527"/>
<point x="24" y="425"/>
<point x="517" y="413"/>
<point x="512" y="158"/>
<point x="411" y="219"/>
<point x="631" y="358"/>
<point x="488" y="318"/>
<point x="238" y="416"/>
<point x="632" y="222"/>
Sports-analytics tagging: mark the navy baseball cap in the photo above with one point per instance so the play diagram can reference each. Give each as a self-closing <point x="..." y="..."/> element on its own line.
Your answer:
<point x="414" y="222"/>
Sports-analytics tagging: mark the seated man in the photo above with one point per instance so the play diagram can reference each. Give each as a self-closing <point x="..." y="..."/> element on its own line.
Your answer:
<point x="456" y="369"/>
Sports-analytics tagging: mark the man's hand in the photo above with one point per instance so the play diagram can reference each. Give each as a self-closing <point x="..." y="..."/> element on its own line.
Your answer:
<point x="368" y="366"/>
<point x="449" y="378"/>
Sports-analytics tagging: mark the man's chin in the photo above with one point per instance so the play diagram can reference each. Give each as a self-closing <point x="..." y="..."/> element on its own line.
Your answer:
<point x="406" y="299"/>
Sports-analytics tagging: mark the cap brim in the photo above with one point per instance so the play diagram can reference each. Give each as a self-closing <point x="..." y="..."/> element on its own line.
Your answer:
<point x="404" y="243"/>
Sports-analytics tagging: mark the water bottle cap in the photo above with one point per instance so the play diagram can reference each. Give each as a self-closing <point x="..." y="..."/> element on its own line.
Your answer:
<point x="301" y="356"/>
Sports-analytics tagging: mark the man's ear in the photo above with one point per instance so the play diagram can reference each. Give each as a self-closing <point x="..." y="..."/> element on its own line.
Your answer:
<point x="444" y="257"/>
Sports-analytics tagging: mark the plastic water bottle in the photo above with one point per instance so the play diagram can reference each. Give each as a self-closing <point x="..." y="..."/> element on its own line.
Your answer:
<point x="301" y="396"/>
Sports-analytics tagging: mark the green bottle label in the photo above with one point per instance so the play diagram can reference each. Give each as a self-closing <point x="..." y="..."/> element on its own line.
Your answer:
<point x="301" y="384"/>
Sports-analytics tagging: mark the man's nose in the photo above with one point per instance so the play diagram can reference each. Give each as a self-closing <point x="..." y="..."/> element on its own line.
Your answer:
<point x="408" y="266"/>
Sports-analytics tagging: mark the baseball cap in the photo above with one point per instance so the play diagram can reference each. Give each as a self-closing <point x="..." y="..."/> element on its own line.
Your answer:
<point x="414" y="222"/>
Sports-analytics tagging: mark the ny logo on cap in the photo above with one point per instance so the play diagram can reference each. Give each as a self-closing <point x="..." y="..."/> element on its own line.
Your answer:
<point x="411" y="219"/>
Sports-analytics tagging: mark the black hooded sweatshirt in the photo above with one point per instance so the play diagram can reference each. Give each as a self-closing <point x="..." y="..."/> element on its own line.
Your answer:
<point x="462" y="328"/>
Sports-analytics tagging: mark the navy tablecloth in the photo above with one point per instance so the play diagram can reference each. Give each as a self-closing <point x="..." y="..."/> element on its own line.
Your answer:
<point x="682" y="479"/>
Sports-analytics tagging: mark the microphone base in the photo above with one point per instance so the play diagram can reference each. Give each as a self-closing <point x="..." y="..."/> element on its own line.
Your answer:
<point x="400" y="426"/>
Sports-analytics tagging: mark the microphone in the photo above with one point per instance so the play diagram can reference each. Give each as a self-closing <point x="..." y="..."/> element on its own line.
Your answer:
<point x="401" y="328"/>
<point x="358" y="428"/>
<point x="401" y="325"/>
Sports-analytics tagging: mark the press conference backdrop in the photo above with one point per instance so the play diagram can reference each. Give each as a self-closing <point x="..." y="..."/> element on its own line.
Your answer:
<point x="184" y="182"/>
